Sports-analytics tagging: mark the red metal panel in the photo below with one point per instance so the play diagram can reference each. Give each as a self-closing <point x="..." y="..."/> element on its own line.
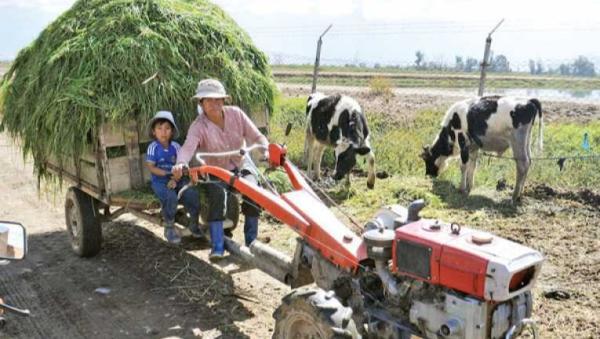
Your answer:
<point x="277" y="155"/>
<point x="296" y="178"/>
<point x="463" y="271"/>
<point x="327" y="234"/>
<point x="452" y="264"/>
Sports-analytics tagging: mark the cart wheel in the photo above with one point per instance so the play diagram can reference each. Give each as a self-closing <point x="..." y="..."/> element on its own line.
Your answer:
<point x="313" y="313"/>
<point x="83" y="224"/>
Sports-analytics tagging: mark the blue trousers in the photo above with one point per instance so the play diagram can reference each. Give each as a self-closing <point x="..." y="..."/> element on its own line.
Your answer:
<point x="168" y="201"/>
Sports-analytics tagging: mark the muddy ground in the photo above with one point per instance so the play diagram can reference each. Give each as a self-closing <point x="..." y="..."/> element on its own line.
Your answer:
<point x="156" y="290"/>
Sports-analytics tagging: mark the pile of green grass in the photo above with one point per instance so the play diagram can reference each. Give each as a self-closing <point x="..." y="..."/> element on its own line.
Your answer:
<point x="112" y="61"/>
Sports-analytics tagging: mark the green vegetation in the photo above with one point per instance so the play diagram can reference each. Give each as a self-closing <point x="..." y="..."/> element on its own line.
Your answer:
<point x="381" y="85"/>
<point x="121" y="60"/>
<point x="397" y="148"/>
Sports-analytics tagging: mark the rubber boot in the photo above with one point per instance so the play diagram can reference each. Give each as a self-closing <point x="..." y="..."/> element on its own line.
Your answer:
<point x="217" y="240"/>
<point x="250" y="229"/>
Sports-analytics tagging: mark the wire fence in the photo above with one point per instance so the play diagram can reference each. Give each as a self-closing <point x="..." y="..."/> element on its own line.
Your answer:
<point x="449" y="48"/>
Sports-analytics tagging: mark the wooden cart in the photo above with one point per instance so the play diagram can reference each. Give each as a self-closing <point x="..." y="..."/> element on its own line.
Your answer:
<point x="111" y="180"/>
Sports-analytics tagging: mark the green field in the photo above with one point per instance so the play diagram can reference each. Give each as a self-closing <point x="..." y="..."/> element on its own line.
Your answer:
<point x="410" y="77"/>
<point x="398" y="146"/>
<point x="559" y="214"/>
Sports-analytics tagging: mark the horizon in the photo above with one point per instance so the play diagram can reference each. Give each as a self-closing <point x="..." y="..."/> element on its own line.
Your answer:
<point x="287" y="31"/>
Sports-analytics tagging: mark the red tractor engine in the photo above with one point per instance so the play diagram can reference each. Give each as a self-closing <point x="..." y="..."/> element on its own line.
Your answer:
<point x="452" y="281"/>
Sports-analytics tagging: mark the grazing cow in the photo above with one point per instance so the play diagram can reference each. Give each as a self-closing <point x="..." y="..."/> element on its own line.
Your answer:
<point x="491" y="124"/>
<point x="336" y="121"/>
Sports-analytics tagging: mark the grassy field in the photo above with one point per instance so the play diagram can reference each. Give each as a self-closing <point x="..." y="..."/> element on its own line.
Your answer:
<point x="559" y="215"/>
<point x="574" y="84"/>
<point x="410" y="77"/>
<point x="398" y="147"/>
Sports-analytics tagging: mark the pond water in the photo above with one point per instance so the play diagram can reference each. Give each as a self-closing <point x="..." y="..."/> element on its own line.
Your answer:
<point x="559" y="94"/>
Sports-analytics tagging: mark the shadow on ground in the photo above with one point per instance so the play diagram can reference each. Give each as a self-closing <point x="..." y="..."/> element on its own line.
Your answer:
<point x="151" y="289"/>
<point x="450" y="195"/>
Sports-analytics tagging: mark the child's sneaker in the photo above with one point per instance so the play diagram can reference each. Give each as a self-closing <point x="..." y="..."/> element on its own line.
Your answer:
<point x="197" y="232"/>
<point x="216" y="256"/>
<point x="172" y="236"/>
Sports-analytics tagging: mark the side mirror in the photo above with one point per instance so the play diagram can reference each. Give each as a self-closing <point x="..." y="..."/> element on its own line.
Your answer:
<point x="13" y="241"/>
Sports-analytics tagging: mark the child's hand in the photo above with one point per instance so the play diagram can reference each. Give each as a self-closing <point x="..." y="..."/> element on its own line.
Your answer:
<point x="172" y="184"/>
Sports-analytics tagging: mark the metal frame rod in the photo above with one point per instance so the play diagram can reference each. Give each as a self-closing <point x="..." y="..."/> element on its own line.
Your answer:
<point x="317" y="59"/>
<point x="486" y="55"/>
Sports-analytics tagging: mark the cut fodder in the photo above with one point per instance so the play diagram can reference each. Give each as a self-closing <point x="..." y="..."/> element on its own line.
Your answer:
<point x="114" y="61"/>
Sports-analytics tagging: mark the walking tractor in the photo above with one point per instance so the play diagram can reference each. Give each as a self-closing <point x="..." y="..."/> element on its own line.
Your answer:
<point x="402" y="276"/>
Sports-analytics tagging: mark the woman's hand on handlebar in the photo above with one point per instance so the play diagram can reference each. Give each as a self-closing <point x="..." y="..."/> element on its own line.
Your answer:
<point x="177" y="171"/>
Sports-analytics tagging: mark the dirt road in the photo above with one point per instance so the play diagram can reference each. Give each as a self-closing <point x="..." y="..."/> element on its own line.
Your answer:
<point x="154" y="290"/>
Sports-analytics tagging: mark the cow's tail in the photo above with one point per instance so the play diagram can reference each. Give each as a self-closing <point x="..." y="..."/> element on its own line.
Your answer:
<point x="540" y="139"/>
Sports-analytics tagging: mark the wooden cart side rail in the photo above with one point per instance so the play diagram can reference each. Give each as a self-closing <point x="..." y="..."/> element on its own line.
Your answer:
<point x="116" y="200"/>
<point x="78" y="182"/>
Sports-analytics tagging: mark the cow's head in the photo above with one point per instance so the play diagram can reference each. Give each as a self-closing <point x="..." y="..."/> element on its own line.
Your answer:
<point x="354" y="141"/>
<point x="345" y="158"/>
<point x="436" y="156"/>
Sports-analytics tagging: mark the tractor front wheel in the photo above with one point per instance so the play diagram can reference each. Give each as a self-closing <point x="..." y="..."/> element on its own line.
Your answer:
<point x="313" y="313"/>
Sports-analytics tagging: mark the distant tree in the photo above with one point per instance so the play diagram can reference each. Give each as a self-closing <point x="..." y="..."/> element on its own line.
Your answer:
<point x="471" y="64"/>
<point x="500" y="64"/>
<point x="539" y="68"/>
<point x="420" y="57"/>
<point x="377" y="65"/>
<point x="583" y="67"/>
<point x="459" y="64"/>
<point x="564" y="69"/>
<point x="531" y="66"/>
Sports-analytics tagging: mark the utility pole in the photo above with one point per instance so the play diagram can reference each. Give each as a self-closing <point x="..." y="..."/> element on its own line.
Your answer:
<point x="316" y="70"/>
<point x="486" y="55"/>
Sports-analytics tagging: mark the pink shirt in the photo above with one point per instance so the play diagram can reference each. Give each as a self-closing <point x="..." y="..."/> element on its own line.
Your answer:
<point x="205" y="136"/>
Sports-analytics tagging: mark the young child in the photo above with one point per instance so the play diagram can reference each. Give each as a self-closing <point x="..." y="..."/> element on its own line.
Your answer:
<point x="160" y="157"/>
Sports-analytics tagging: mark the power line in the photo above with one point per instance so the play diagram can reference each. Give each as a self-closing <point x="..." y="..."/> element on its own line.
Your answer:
<point x="430" y="28"/>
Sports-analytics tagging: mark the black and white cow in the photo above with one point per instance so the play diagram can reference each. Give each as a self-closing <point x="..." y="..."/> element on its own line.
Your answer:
<point x="491" y="124"/>
<point x="336" y="121"/>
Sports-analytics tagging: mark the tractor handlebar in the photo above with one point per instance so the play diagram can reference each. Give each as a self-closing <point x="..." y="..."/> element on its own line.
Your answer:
<point x="242" y="152"/>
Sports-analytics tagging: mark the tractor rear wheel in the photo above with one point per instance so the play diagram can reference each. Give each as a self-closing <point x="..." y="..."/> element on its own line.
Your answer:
<point x="313" y="313"/>
<point x="83" y="224"/>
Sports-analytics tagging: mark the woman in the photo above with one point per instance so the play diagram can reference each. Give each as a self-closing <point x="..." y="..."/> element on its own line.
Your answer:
<point x="220" y="128"/>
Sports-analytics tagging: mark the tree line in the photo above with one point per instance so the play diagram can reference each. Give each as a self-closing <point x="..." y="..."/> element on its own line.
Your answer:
<point x="581" y="66"/>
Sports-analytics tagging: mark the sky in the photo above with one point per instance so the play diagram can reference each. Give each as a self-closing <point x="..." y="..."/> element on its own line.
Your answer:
<point x="388" y="32"/>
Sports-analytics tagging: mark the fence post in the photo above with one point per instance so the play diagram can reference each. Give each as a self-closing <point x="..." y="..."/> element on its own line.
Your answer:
<point x="486" y="55"/>
<point x="316" y="70"/>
